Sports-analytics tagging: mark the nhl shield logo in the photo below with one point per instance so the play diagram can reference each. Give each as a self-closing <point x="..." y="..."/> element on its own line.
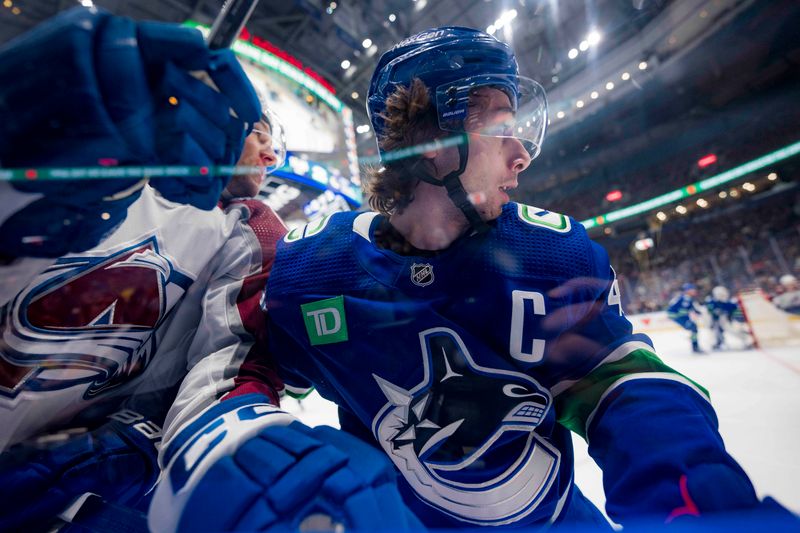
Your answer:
<point x="422" y="274"/>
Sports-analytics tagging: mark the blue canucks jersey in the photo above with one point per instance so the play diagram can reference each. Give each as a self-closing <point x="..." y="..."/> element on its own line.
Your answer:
<point x="470" y="367"/>
<point x="681" y="305"/>
<point x="722" y="308"/>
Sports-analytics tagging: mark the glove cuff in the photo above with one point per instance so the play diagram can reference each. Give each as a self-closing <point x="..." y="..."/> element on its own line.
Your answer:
<point x="212" y="435"/>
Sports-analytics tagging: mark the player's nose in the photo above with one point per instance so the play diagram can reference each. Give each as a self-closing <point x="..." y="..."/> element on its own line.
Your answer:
<point x="518" y="157"/>
<point x="268" y="157"/>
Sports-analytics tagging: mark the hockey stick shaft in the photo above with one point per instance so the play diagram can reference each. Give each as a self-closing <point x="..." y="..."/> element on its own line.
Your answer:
<point x="229" y="23"/>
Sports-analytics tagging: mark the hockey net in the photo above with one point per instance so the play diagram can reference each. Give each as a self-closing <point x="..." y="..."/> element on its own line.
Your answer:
<point x="769" y="325"/>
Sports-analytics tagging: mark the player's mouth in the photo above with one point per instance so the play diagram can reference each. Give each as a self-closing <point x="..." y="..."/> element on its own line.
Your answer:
<point x="258" y="178"/>
<point x="506" y="189"/>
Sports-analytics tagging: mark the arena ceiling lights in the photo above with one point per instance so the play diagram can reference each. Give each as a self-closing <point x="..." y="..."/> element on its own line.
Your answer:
<point x="595" y="94"/>
<point x="267" y="59"/>
<point x="593" y="38"/>
<point x="502" y="21"/>
<point x="695" y="188"/>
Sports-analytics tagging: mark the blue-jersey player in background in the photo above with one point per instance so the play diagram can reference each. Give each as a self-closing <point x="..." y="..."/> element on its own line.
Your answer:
<point x="725" y="312"/>
<point x="683" y="309"/>
<point x="462" y="334"/>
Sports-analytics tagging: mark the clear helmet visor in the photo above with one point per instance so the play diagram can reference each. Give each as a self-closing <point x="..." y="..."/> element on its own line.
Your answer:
<point x="495" y="105"/>
<point x="264" y="151"/>
<point x="270" y="129"/>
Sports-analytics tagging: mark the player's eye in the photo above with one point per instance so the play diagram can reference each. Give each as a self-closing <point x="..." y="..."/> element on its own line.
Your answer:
<point x="262" y="136"/>
<point x="500" y="129"/>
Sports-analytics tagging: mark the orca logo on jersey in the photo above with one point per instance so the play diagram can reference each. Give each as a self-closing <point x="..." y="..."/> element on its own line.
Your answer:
<point x="464" y="438"/>
<point x="88" y="319"/>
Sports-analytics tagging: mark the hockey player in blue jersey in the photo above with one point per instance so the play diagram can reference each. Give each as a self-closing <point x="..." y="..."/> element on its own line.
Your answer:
<point x="681" y="310"/>
<point x="725" y="312"/>
<point x="721" y="309"/>
<point x="462" y="334"/>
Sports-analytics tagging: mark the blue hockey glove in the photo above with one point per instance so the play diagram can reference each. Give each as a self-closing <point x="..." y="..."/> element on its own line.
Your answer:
<point x="712" y="493"/>
<point x="247" y="465"/>
<point x="88" y="89"/>
<point x="117" y="461"/>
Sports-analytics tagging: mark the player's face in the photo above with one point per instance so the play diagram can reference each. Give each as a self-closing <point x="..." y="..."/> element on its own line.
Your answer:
<point x="494" y="162"/>
<point x="257" y="152"/>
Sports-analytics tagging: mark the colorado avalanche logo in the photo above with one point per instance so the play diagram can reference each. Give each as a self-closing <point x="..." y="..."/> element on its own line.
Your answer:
<point x="87" y="319"/>
<point x="464" y="438"/>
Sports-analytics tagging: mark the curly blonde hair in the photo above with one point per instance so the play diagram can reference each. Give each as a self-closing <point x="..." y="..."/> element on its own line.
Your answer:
<point x="409" y="120"/>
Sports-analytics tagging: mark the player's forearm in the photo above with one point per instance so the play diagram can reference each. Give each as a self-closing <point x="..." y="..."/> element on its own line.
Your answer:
<point x="662" y="455"/>
<point x="228" y="355"/>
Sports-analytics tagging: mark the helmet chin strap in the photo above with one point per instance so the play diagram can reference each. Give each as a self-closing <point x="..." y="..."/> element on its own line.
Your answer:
<point x="455" y="189"/>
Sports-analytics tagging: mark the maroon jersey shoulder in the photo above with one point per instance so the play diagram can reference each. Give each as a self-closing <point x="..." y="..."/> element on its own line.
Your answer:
<point x="257" y="373"/>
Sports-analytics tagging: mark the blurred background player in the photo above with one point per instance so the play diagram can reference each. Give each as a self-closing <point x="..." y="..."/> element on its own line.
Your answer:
<point x="462" y="334"/>
<point x="684" y="310"/>
<point x="725" y="313"/>
<point x="789" y="299"/>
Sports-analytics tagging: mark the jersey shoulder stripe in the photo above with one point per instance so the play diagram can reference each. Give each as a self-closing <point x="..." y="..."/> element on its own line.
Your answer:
<point x="543" y="244"/>
<point x="536" y="216"/>
<point x="319" y="254"/>
<point x="576" y="403"/>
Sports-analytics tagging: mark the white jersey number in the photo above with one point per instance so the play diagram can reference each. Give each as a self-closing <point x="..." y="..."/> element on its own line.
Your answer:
<point x="614" y="296"/>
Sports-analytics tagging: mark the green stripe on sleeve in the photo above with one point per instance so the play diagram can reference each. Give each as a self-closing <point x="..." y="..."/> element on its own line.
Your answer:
<point x="579" y="401"/>
<point x="297" y="394"/>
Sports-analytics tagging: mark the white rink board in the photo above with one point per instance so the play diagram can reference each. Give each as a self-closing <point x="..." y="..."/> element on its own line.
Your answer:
<point x="756" y="394"/>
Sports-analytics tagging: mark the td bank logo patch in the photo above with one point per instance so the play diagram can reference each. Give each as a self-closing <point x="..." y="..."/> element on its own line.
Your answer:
<point x="325" y="321"/>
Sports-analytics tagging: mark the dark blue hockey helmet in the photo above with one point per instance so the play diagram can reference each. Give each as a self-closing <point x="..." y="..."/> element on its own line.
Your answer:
<point x="453" y="62"/>
<point x="686" y="287"/>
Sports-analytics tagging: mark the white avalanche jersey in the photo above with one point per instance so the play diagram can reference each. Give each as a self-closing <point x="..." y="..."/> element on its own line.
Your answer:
<point x="131" y="315"/>
<point x="788" y="301"/>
